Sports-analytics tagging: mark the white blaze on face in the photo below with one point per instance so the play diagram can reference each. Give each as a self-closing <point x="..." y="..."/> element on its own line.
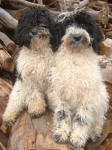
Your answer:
<point x="80" y="31"/>
<point x="72" y="32"/>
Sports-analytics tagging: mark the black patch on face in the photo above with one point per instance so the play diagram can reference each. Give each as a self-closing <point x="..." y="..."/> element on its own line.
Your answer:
<point x="31" y="18"/>
<point x="61" y="115"/>
<point x="18" y="76"/>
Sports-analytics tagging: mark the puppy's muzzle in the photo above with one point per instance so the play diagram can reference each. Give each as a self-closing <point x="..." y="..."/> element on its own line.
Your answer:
<point x="78" y="38"/>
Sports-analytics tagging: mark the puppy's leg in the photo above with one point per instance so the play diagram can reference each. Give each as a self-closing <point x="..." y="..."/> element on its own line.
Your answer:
<point x="62" y="123"/>
<point x="35" y="102"/>
<point x="16" y="103"/>
<point x="82" y="123"/>
<point x="102" y="106"/>
<point x="97" y="127"/>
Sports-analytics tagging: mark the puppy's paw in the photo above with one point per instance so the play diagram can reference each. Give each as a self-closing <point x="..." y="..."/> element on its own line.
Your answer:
<point x="36" y="114"/>
<point x="96" y="138"/>
<point x="9" y="119"/>
<point x="60" y="135"/>
<point x="76" y="141"/>
<point x="9" y="123"/>
<point x="96" y="134"/>
<point x="36" y="109"/>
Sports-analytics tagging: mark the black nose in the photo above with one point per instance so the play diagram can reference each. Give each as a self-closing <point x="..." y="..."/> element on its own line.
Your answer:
<point x="77" y="38"/>
<point x="34" y="31"/>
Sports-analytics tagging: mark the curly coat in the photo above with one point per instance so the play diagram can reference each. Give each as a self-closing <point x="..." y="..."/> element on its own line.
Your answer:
<point x="34" y="34"/>
<point x="76" y="91"/>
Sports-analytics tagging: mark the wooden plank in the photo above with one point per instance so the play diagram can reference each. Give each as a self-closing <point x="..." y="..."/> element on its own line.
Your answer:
<point x="22" y="135"/>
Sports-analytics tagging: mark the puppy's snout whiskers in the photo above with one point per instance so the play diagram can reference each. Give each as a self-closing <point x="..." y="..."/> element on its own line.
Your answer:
<point x="42" y="36"/>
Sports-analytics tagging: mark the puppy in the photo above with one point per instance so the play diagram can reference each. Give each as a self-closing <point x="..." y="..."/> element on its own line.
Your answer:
<point x="34" y="34"/>
<point x="76" y="92"/>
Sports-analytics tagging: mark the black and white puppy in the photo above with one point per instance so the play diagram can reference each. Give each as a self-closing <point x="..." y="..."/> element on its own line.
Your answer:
<point x="34" y="36"/>
<point x="77" y="93"/>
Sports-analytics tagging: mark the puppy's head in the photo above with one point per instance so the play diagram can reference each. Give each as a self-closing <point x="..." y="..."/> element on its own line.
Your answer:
<point x="35" y="27"/>
<point x="81" y="26"/>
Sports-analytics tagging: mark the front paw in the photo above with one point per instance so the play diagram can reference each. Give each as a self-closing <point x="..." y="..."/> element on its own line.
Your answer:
<point x="9" y="123"/>
<point x="60" y="135"/>
<point x="9" y="119"/>
<point x="36" y="110"/>
<point x="76" y="141"/>
<point x="36" y="114"/>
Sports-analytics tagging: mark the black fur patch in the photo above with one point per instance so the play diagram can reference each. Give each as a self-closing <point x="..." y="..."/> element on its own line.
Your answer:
<point x="61" y="115"/>
<point x="16" y="75"/>
<point x="19" y="77"/>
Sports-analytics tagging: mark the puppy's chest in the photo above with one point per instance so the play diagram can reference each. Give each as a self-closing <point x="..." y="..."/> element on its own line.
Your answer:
<point x="33" y="66"/>
<point x="71" y="71"/>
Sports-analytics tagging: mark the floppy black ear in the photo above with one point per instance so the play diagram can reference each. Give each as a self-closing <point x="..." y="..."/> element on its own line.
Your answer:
<point x="57" y="36"/>
<point x="63" y="21"/>
<point x="87" y="22"/>
<point x="52" y="28"/>
<point x="60" y="28"/>
<point x="25" y="23"/>
<point x="22" y="37"/>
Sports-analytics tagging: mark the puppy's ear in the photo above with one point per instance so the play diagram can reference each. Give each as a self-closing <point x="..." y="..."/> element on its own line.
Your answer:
<point x="60" y="28"/>
<point x="25" y="24"/>
<point x="23" y="37"/>
<point x="98" y="38"/>
<point x="59" y="31"/>
<point x="52" y="28"/>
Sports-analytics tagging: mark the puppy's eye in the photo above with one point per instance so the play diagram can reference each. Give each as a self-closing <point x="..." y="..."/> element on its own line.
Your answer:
<point x="43" y="26"/>
<point x="61" y="16"/>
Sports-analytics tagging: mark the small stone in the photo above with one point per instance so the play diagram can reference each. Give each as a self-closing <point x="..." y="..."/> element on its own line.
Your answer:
<point x="106" y="48"/>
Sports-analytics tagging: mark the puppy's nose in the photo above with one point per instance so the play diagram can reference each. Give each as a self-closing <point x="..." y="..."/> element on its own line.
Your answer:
<point x="77" y="37"/>
<point x="34" y="31"/>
